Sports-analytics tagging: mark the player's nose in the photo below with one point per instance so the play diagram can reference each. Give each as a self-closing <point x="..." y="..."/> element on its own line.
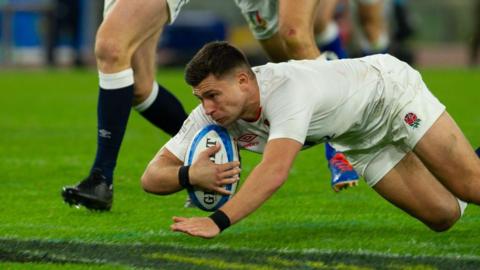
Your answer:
<point x="208" y="107"/>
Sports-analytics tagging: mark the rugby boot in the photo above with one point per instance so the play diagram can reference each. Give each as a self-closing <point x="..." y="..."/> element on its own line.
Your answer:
<point x="93" y="193"/>
<point x="478" y="152"/>
<point x="342" y="173"/>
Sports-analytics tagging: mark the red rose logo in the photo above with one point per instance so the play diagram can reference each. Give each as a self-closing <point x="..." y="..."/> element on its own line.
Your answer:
<point x="412" y="120"/>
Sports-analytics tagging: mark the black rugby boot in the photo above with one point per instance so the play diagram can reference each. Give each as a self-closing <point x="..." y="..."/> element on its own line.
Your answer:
<point x="93" y="193"/>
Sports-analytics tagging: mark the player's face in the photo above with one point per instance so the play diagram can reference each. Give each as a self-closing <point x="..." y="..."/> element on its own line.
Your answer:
<point x="222" y="99"/>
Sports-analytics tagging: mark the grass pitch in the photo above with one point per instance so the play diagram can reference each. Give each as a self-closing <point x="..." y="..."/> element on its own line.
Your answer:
<point x="47" y="140"/>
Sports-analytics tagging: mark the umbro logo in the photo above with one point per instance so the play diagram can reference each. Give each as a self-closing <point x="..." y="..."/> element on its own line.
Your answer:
<point x="246" y="138"/>
<point x="105" y="133"/>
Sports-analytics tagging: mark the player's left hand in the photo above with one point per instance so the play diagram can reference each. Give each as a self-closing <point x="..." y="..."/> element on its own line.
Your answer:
<point x="196" y="226"/>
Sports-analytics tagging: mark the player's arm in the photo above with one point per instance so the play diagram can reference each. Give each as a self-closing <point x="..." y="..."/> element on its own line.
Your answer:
<point x="161" y="174"/>
<point x="262" y="182"/>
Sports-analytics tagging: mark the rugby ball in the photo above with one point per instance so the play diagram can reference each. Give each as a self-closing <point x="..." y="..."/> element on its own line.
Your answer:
<point x="203" y="139"/>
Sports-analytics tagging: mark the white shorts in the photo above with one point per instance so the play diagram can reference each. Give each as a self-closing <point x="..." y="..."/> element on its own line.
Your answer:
<point x="174" y="7"/>
<point x="408" y="127"/>
<point x="261" y="16"/>
<point x="412" y="110"/>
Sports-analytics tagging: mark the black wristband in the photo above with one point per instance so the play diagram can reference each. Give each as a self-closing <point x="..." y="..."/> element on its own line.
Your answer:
<point x="221" y="219"/>
<point x="183" y="178"/>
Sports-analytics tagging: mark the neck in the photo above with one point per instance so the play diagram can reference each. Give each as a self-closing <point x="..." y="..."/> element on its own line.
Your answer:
<point x="252" y="106"/>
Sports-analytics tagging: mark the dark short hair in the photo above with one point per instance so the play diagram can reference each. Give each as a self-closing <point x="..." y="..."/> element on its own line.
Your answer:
<point x="217" y="58"/>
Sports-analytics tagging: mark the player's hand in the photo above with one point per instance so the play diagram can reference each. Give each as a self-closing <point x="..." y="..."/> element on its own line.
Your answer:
<point x="196" y="226"/>
<point x="207" y="175"/>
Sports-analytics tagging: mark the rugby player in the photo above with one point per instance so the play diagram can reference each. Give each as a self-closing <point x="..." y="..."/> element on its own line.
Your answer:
<point x="376" y="109"/>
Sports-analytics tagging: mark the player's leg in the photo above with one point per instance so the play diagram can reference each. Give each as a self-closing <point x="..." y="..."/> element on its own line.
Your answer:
<point x="428" y="180"/>
<point x="296" y="29"/>
<point x="127" y="25"/>
<point x="262" y="19"/>
<point x="449" y="156"/>
<point x="327" y="33"/>
<point x="295" y="26"/>
<point x="414" y="189"/>
<point x="151" y="100"/>
<point x="342" y="173"/>
<point x="373" y="24"/>
<point x="275" y="48"/>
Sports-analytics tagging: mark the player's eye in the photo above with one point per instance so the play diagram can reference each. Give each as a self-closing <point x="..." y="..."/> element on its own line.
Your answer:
<point x="212" y="95"/>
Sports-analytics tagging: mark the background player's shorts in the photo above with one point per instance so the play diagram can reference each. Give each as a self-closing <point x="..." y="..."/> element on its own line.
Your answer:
<point x="406" y="112"/>
<point x="174" y="7"/>
<point x="261" y="16"/>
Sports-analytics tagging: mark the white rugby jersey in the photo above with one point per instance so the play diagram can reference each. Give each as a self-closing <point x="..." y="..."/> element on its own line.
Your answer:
<point x="311" y="101"/>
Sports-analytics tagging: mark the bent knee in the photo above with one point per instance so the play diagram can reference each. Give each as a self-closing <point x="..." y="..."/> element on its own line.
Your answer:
<point x="443" y="219"/>
<point x="294" y="36"/>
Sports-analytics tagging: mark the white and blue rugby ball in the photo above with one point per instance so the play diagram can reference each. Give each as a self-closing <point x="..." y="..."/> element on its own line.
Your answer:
<point x="205" y="138"/>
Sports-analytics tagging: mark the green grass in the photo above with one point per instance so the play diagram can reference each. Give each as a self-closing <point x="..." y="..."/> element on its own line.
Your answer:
<point x="47" y="140"/>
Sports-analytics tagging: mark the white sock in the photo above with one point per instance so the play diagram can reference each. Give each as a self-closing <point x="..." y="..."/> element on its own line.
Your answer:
<point x="149" y="100"/>
<point x="116" y="80"/>
<point x="380" y="45"/>
<point x="328" y="34"/>
<point x="462" y="206"/>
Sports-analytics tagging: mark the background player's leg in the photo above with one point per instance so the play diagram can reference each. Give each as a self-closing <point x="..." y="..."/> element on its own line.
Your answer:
<point x="124" y="29"/>
<point x="152" y="100"/>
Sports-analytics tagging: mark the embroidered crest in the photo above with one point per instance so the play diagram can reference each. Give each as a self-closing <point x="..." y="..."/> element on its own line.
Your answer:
<point x="412" y="120"/>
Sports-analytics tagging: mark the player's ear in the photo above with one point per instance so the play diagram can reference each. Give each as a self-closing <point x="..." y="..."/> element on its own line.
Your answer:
<point x="242" y="78"/>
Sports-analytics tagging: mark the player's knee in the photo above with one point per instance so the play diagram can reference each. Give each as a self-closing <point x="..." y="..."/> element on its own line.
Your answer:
<point x="109" y="52"/>
<point x="444" y="218"/>
<point x="295" y="38"/>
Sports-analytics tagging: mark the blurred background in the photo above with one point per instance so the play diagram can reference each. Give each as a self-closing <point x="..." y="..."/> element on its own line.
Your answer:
<point x="38" y="33"/>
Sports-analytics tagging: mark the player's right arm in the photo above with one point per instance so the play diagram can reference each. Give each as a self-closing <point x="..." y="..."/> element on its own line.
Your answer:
<point x="161" y="175"/>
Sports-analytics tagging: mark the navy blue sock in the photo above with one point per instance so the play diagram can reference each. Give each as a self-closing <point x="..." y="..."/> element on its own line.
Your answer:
<point x="329" y="41"/>
<point x="163" y="110"/>
<point x="478" y="152"/>
<point x="114" y="103"/>
<point x="336" y="47"/>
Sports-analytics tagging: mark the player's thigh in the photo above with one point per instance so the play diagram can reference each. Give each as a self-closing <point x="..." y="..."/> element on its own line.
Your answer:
<point x="411" y="187"/>
<point x="297" y="14"/>
<point x="129" y="23"/>
<point x="447" y="153"/>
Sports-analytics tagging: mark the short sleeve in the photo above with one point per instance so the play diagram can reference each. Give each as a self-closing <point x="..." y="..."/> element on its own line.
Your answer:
<point x="289" y="114"/>
<point x="178" y="144"/>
